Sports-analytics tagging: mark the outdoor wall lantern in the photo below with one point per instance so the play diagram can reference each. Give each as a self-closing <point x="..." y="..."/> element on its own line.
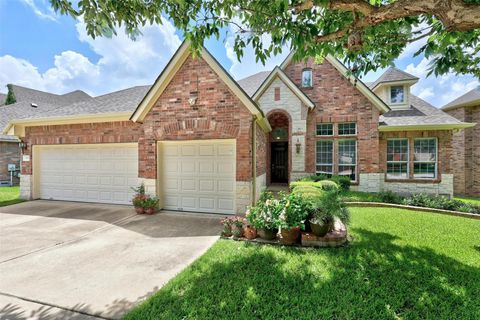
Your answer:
<point x="22" y="145"/>
<point x="298" y="146"/>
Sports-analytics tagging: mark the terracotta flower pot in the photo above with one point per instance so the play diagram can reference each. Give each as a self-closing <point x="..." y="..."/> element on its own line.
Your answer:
<point x="320" y="230"/>
<point x="139" y="210"/>
<point x="290" y="236"/>
<point x="150" y="210"/>
<point x="267" y="234"/>
<point x="250" y="233"/>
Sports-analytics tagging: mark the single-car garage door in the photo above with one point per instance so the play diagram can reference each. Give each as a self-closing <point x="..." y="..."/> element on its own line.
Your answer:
<point x="198" y="175"/>
<point x="89" y="172"/>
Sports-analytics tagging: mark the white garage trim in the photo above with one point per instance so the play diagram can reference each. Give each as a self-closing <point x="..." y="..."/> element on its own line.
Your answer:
<point x="106" y="177"/>
<point x="197" y="175"/>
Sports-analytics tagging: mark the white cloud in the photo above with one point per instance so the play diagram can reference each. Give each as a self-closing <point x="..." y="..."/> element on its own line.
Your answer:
<point x="122" y="63"/>
<point x="426" y="93"/>
<point x="247" y="66"/>
<point x="48" y="14"/>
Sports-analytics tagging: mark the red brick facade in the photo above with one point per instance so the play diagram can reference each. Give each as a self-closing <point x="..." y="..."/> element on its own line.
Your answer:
<point x="261" y="151"/>
<point x="9" y="154"/>
<point x="466" y="155"/>
<point x="337" y="101"/>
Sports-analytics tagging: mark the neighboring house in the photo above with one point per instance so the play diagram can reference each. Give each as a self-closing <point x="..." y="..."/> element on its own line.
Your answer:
<point x="203" y="142"/>
<point x="466" y="143"/>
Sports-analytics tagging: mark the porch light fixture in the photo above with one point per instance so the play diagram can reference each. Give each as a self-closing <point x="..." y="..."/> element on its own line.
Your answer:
<point x="298" y="146"/>
<point x="192" y="100"/>
<point x="22" y="145"/>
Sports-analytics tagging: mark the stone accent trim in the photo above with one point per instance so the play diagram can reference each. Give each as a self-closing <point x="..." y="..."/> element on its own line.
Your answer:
<point x="261" y="184"/>
<point x="150" y="186"/>
<point x="26" y="187"/>
<point x="243" y="197"/>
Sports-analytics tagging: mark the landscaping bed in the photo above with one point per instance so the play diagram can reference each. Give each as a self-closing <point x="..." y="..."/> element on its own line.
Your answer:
<point x="400" y="264"/>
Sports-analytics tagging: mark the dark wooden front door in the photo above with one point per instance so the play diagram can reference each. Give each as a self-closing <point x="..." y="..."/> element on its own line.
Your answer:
<point x="279" y="162"/>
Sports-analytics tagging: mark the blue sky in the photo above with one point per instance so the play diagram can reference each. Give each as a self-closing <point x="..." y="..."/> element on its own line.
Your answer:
<point x="45" y="51"/>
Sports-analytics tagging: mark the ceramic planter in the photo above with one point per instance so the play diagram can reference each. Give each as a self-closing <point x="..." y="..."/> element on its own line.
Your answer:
<point x="139" y="210"/>
<point x="250" y="233"/>
<point x="320" y="230"/>
<point x="290" y="236"/>
<point x="267" y="234"/>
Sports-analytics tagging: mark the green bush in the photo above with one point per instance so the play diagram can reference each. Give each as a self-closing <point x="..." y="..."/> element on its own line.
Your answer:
<point x="342" y="181"/>
<point x="329" y="185"/>
<point x="389" y="197"/>
<point x="308" y="192"/>
<point x="264" y="214"/>
<point x="310" y="183"/>
<point x="436" y="202"/>
<point x="295" y="211"/>
<point x="328" y="207"/>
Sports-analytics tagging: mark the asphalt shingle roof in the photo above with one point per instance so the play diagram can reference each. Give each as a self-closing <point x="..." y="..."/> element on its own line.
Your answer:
<point x="392" y="74"/>
<point x="2" y="98"/>
<point x="251" y="83"/>
<point x="469" y="97"/>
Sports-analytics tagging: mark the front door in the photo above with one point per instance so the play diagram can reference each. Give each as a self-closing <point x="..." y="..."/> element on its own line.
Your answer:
<point x="279" y="162"/>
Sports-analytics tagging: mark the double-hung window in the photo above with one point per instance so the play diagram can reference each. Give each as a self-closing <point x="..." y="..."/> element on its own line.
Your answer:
<point x="425" y="158"/>
<point x="325" y="129"/>
<point x="397" y="159"/>
<point x="347" y="158"/>
<point x="347" y="129"/>
<point x="324" y="153"/>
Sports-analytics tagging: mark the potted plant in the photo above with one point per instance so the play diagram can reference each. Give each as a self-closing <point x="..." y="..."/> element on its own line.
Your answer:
<point x="325" y="210"/>
<point x="264" y="216"/>
<point x="292" y="217"/>
<point x="227" y="227"/>
<point x="150" y="205"/>
<point x="237" y="227"/>
<point x="139" y="198"/>
<point x="249" y="232"/>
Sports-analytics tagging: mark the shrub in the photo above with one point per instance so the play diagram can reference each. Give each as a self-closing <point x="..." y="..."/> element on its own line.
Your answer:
<point x="436" y="202"/>
<point x="151" y="202"/>
<point x="295" y="184"/>
<point x="294" y="211"/>
<point x="342" y="181"/>
<point x="308" y="192"/>
<point x="389" y="197"/>
<point x="328" y="185"/>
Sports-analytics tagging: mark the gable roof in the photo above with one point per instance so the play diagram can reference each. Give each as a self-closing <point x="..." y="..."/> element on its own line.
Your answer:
<point x="172" y="68"/>
<point x="420" y="116"/>
<point x="277" y="72"/>
<point x="369" y="94"/>
<point x="470" y="98"/>
<point x="393" y="74"/>
<point x="251" y="83"/>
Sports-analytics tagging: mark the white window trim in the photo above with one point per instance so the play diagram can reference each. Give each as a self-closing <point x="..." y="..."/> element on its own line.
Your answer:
<point x="404" y="95"/>
<point x="435" y="162"/>
<point x="356" y="156"/>
<point x="325" y="164"/>
<point x="311" y="77"/>
<point x="325" y="135"/>
<point x="408" y="161"/>
<point x="350" y="134"/>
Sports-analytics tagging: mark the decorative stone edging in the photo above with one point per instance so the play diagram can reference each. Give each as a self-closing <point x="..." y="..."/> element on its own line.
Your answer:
<point x="401" y="206"/>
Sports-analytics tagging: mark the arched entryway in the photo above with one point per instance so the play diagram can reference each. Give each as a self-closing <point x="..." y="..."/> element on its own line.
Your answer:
<point x="279" y="147"/>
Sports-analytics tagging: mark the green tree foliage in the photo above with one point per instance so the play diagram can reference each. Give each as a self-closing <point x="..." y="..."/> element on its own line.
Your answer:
<point x="10" y="99"/>
<point x="365" y="34"/>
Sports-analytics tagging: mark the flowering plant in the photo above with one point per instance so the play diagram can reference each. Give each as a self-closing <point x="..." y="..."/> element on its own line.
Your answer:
<point x="264" y="215"/>
<point x="294" y="211"/>
<point x="139" y="200"/>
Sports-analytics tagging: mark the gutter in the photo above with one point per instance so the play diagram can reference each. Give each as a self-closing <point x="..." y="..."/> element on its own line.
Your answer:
<point x="452" y="126"/>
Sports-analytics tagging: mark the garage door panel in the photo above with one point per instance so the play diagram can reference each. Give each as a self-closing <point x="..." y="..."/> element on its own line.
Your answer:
<point x="198" y="175"/>
<point x="94" y="173"/>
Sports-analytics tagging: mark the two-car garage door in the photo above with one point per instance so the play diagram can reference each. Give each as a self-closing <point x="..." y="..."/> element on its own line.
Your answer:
<point x="101" y="173"/>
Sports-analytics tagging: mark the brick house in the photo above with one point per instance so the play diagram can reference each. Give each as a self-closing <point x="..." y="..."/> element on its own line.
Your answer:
<point x="466" y="144"/>
<point x="204" y="142"/>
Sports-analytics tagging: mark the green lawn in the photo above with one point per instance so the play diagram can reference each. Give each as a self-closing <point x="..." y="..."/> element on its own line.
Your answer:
<point x="472" y="200"/>
<point x="9" y="195"/>
<point x="400" y="265"/>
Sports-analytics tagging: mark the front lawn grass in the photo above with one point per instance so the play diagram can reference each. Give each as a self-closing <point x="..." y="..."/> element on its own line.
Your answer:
<point x="471" y="200"/>
<point x="9" y="195"/>
<point x="401" y="264"/>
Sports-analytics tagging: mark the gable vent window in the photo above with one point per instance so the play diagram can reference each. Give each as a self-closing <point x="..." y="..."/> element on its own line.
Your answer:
<point x="277" y="94"/>
<point x="307" y="78"/>
<point x="397" y="94"/>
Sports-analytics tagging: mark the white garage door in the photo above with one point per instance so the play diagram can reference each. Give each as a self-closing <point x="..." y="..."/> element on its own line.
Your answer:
<point x="89" y="173"/>
<point x="198" y="175"/>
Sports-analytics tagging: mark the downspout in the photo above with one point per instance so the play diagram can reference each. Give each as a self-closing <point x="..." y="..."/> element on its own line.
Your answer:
<point x="254" y="160"/>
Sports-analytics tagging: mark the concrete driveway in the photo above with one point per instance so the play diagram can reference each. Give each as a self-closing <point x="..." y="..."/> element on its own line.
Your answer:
<point x="76" y="260"/>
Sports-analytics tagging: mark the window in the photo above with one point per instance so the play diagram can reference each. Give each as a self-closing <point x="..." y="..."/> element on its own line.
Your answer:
<point x="307" y="78"/>
<point x="345" y="129"/>
<point x="397" y="159"/>
<point x="425" y="158"/>
<point x="324" y="156"/>
<point x="397" y="94"/>
<point x="325" y="129"/>
<point x="347" y="158"/>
